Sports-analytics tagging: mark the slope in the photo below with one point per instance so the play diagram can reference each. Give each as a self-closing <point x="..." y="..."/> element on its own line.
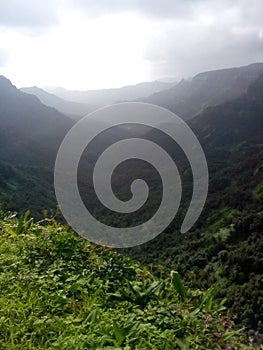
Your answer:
<point x="189" y="97"/>
<point x="72" y="109"/>
<point x="30" y="135"/>
<point x="59" y="292"/>
<point x="26" y="114"/>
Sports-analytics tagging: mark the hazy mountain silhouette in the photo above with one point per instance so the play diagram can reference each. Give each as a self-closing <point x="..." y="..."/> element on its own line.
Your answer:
<point x="30" y="135"/>
<point x="25" y="114"/>
<point x="108" y="96"/>
<point x="234" y="121"/>
<point x="190" y="97"/>
<point x="72" y="109"/>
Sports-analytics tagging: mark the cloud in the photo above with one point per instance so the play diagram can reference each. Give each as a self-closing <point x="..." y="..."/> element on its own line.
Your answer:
<point x="120" y="42"/>
<point x="168" y="9"/>
<point x="149" y="8"/>
<point x="251" y="12"/>
<point x="28" y="13"/>
<point x="218" y="36"/>
<point x="191" y="35"/>
<point x="4" y="57"/>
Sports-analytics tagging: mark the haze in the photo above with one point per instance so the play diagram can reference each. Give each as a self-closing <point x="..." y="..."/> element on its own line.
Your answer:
<point x="101" y="44"/>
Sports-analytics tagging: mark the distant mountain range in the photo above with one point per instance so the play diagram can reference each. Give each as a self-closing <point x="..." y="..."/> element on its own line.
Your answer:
<point x="190" y="97"/>
<point x="31" y="131"/>
<point x="186" y="98"/>
<point x="109" y="96"/>
<point x="73" y="109"/>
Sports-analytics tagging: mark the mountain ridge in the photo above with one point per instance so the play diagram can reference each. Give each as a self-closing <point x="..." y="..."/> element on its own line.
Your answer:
<point x="190" y="97"/>
<point x="26" y="113"/>
<point x="102" y="97"/>
<point x="72" y="109"/>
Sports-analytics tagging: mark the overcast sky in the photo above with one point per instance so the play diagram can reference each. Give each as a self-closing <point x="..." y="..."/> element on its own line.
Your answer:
<point x="87" y="44"/>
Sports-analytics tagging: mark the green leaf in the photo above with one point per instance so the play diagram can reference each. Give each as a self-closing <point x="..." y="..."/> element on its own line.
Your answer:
<point x="178" y="284"/>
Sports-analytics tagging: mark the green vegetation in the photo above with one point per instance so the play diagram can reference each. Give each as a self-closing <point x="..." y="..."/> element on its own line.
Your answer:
<point x="20" y="184"/>
<point x="57" y="291"/>
<point x="223" y="249"/>
<point x="225" y="246"/>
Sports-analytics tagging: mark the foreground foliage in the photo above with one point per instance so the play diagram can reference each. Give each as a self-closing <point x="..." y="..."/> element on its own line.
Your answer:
<point x="59" y="292"/>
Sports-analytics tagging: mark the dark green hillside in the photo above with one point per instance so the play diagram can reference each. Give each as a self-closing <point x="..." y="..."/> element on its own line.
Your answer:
<point x="30" y="134"/>
<point x="27" y="115"/>
<point x="225" y="246"/>
<point x="20" y="186"/>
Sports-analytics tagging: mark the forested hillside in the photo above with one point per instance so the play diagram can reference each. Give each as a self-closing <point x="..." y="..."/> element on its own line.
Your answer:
<point x="190" y="97"/>
<point x="225" y="247"/>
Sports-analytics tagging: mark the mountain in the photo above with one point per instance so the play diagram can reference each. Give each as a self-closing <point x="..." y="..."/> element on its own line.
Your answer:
<point x="108" y="96"/>
<point x="233" y="122"/>
<point x="30" y="135"/>
<point x="189" y="97"/>
<point x="72" y="109"/>
<point x="26" y="115"/>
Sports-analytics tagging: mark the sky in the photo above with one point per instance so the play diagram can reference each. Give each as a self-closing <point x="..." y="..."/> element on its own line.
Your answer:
<point x="93" y="44"/>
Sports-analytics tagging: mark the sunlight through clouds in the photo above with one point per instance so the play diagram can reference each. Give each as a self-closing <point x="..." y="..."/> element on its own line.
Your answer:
<point x="89" y="45"/>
